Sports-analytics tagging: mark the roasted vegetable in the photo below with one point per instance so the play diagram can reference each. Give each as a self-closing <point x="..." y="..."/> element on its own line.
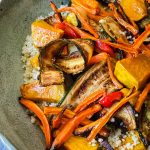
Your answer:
<point x="91" y="6"/>
<point x="39" y="113"/>
<point x="79" y="143"/>
<point x="35" y="91"/>
<point x="100" y="46"/>
<point x="87" y="47"/>
<point x="96" y="78"/>
<point x="50" y="60"/>
<point x="69" y="127"/>
<point x="68" y="31"/>
<point x="133" y="72"/>
<point x="51" y="77"/>
<point x="43" y="33"/>
<point x="113" y="29"/>
<point x="108" y="100"/>
<point x="71" y="18"/>
<point x="126" y="114"/>
<point x="134" y="9"/>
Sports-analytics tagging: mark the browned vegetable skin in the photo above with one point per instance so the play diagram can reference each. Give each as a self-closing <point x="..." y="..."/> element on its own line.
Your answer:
<point x="35" y="91"/>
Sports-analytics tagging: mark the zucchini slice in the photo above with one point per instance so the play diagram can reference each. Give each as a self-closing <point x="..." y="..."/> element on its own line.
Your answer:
<point x="96" y="78"/>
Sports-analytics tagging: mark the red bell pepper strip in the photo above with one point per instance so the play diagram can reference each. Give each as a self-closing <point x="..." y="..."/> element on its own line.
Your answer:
<point x="109" y="99"/>
<point x="68" y="31"/>
<point x="101" y="46"/>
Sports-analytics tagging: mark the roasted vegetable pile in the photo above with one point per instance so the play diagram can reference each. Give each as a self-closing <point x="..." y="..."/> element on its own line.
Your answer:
<point x="95" y="67"/>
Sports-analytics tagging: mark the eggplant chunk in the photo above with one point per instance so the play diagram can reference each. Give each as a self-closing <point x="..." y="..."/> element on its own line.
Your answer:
<point x="34" y="91"/>
<point x="113" y="29"/>
<point x="87" y="47"/>
<point x="126" y="114"/>
<point x="96" y="78"/>
<point x="51" y="60"/>
<point x="50" y="77"/>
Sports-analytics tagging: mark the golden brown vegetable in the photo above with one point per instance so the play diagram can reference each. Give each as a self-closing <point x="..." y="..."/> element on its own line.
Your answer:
<point x="133" y="72"/>
<point x="134" y="9"/>
<point x="35" y="91"/>
<point x="79" y="143"/>
<point x="43" y="33"/>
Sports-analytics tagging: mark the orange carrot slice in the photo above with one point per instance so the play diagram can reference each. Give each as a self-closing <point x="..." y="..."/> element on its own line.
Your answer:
<point x="142" y="98"/>
<point x="39" y="113"/>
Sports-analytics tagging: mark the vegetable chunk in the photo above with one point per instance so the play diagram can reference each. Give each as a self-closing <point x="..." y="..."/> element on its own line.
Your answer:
<point x="79" y="143"/>
<point x="134" y="9"/>
<point x="133" y="72"/>
<point x="43" y="33"/>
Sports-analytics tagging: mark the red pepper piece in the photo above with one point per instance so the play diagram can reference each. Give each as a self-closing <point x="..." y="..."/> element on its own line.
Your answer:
<point x="68" y="31"/>
<point x="101" y="46"/>
<point x="109" y="99"/>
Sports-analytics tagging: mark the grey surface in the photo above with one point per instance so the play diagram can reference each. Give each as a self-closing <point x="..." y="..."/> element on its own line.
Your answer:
<point x="15" y="19"/>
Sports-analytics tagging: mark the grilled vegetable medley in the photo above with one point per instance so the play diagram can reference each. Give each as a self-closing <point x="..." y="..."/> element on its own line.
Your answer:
<point x="87" y="75"/>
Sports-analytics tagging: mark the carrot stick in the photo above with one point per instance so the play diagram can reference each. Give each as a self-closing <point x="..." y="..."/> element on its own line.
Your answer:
<point x="126" y="48"/>
<point x="70" y="114"/>
<point x="84" y="22"/>
<point x="95" y="17"/>
<point x="141" y="38"/>
<point x="88" y="100"/>
<point x="103" y="120"/>
<point x="142" y="98"/>
<point x="39" y="113"/>
<point x="97" y="58"/>
<point x="114" y="80"/>
<point x="54" y="8"/>
<point x="55" y="110"/>
<point x="57" y="121"/>
<point x="129" y="27"/>
<point x="83" y="34"/>
<point x="68" y="129"/>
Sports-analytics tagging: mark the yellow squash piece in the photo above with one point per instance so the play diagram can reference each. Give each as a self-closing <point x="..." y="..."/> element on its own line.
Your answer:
<point x="34" y="91"/>
<point x="72" y="19"/>
<point x="133" y="72"/>
<point x="79" y="143"/>
<point x="43" y="33"/>
<point x="134" y="9"/>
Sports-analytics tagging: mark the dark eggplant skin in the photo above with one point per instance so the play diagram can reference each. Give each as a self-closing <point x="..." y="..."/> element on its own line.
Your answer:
<point x="96" y="78"/>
